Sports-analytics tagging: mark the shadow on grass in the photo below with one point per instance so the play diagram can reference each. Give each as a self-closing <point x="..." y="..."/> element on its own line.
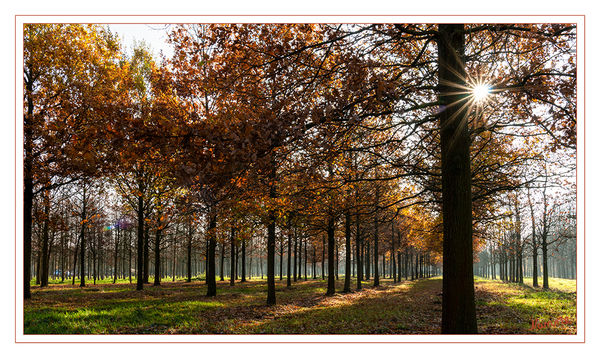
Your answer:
<point x="412" y="307"/>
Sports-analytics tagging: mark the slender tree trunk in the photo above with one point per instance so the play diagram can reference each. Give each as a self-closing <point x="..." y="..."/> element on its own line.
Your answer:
<point x="305" y="257"/>
<point x="82" y="237"/>
<point x="271" y="300"/>
<point x="140" y="244"/>
<point x="211" y="282"/>
<point x="289" y="256"/>
<point x="367" y="258"/>
<point x="393" y="256"/>
<point x="337" y="263"/>
<point x="545" y="284"/>
<point x="232" y="260"/>
<point x="243" y="261"/>
<point x="330" y="256"/>
<point x="75" y="261"/>
<point x="534" y="245"/>
<point x="222" y="262"/>
<point x="376" y="254"/>
<point x="62" y="256"/>
<point x="314" y="263"/>
<point x="299" y="258"/>
<point x="359" y="273"/>
<point x="116" y="257"/>
<point x="157" y="263"/>
<point x="45" y="241"/>
<point x="146" y="254"/>
<point x="458" y="305"/>
<point x="295" y="258"/>
<point x="129" y="251"/>
<point x="189" y="252"/>
<point x="27" y="187"/>
<point x="281" y="260"/>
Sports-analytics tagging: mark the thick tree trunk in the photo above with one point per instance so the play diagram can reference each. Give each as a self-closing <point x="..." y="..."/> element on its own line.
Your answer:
<point x="458" y="305"/>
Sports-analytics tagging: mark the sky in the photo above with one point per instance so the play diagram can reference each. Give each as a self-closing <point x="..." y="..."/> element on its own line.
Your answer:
<point x="155" y="36"/>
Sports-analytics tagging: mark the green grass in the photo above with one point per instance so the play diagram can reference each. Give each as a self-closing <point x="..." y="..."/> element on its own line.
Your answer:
<point x="525" y="304"/>
<point x="412" y="307"/>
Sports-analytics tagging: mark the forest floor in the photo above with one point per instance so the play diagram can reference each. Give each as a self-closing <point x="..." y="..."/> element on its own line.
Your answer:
<point x="409" y="307"/>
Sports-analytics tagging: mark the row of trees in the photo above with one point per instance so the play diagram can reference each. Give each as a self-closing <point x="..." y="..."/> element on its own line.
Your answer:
<point x="360" y="141"/>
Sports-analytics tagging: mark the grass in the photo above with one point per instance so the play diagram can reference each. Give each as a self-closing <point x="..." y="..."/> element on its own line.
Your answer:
<point x="410" y="307"/>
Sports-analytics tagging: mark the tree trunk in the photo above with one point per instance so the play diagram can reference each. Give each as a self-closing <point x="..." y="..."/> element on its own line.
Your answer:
<point x="222" y="263"/>
<point x="75" y="261"/>
<point x="376" y="254"/>
<point x="140" y="245"/>
<point x="189" y="253"/>
<point x="330" y="256"/>
<point x="82" y="237"/>
<point x="147" y="254"/>
<point x="211" y="282"/>
<point x="27" y="188"/>
<point x="280" y="259"/>
<point x="359" y="273"/>
<point x="116" y="257"/>
<point x="157" y="257"/>
<point x="243" y="261"/>
<point x="295" y="258"/>
<point x="393" y="256"/>
<point x="45" y="241"/>
<point x="458" y="305"/>
<point x="299" y="258"/>
<point x="534" y="245"/>
<point x="305" y="257"/>
<point x="545" y="284"/>
<point x="232" y="259"/>
<point x="289" y="257"/>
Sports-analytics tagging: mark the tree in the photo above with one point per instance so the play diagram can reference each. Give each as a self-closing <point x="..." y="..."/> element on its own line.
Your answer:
<point x="458" y="304"/>
<point x="62" y="112"/>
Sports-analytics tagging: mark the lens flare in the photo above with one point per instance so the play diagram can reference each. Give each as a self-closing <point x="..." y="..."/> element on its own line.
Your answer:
<point x="480" y="92"/>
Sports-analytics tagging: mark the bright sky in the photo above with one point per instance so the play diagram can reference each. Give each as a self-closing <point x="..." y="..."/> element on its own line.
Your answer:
<point x="155" y="36"/>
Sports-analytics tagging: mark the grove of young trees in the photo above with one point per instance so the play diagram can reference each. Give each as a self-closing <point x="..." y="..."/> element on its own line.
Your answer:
<point x="302" y="151"/>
